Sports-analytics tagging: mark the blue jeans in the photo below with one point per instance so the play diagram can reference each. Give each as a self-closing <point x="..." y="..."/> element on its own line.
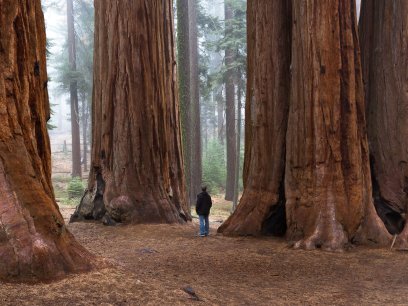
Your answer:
<point x="204" y="225"/>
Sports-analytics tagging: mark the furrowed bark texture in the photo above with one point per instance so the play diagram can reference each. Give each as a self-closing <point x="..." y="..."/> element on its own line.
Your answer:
<point x="137" y="167"/>
<point x="325" y="179"/>
<point x="384" y="40"/>
<point x="251" y="40"/>
<point x="328" y="183"/>
<point x="34" y="242"/>
<point x="269" y="61"/>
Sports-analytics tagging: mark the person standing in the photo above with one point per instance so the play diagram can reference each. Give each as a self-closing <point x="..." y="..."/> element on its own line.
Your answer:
<point x="203" y="207"/>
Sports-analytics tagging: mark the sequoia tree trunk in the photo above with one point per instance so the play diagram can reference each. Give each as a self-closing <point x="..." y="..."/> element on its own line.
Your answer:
<point x="34" y="242"/>
<point x="238" y="157"/>
<point x="73" y="92"/>
<point x="137" y="168"/>
<point x="328" y="183"/>
<point x="324" y="180"/>
<point x="250" y="90"/>
<point x="384" y="40"/>
<point x="230" y="106"/>
<point x="85" y="118"/>
<point x="266" y="117"/>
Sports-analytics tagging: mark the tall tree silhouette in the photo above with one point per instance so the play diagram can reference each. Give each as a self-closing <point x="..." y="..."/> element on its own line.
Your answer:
<point x="137" y="168"/>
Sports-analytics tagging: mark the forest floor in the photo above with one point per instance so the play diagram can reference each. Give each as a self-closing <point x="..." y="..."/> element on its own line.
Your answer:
<point x="153" y="263"/>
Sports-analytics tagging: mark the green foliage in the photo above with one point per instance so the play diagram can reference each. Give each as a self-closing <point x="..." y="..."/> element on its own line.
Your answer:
<point x="84" y="32"/>
<point x="75" y="188"/>
<point x="214" y="167"/>
<point x="60" y="184"/>
<point x="215" y="36"/>
<point x="83" y="74"/>
<point x="236" y="40"/>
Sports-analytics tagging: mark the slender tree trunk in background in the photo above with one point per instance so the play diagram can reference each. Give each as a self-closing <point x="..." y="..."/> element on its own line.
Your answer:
<point x="73" y="90"/>
<point x="137" y="167"/>
<point x="205" y="130"/>
<point x="34" y="242"/>
<point x="269" y="61"/>
<point x="230" y="107"/>
<point x="384" y="41"/>
<point x="196" y="155"/>
<point x="325" y="170"/>
<point x="183" y="64"/>
<point x="213" y="124"/>
<point x="220" y="116"/>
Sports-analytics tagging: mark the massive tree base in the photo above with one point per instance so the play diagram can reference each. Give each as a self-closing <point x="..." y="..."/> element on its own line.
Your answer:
<point x="137" y="168"/>
<point x="35" y="245"/>
<point x="308" y="144"/>
<point x="141" y="207"/>
<point x="384" y="41"/>
<point x="262" y="207"/>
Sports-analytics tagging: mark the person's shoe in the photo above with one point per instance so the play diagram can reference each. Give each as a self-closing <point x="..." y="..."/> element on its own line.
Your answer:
<point x="202" y="235"/>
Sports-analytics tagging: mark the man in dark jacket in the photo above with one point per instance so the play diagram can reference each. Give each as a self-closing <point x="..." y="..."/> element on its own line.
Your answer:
<point x="203" y="207"/>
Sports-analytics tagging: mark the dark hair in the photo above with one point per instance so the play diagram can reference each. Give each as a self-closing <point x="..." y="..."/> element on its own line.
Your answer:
<point x="204" y="188"/>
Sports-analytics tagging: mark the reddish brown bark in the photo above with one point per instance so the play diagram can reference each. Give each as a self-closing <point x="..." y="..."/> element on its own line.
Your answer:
<point x="250" y="90"/>
<point x="384" y="40"/>
<point x="326" y="175"/>
<point x="266" y="115"/>
<point x="137" y="168"/>
<point x="328" y="183"/>
<point x="34" y="242"/>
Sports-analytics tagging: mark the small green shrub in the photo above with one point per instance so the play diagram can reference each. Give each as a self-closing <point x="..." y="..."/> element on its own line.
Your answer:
<point x="75" y="188"/>
<point x="214" y="167"/>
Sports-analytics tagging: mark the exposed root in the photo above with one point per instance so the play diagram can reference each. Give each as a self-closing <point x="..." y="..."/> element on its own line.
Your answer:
<point x="373" y="231"/>
<point x="331" y="241"/>
<point x="401" y="243"/>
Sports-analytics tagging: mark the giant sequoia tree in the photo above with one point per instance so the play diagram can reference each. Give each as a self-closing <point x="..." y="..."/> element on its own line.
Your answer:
<point x="266" y="115"/>
<point x="384" y="41"/>
<point x="308" y="148"/>
<point x="34" y="242"/>
<point x="137" y="168"/>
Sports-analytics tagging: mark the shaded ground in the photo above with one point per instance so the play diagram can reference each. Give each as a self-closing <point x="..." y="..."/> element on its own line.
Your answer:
<point x="154" y="262"/>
